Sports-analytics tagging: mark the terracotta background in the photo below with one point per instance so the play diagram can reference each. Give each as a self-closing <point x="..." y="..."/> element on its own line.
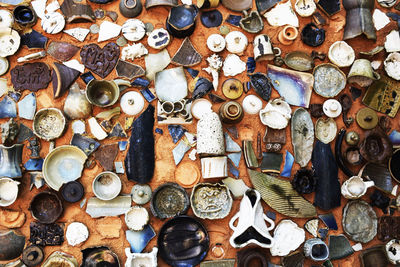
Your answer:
<point x="165" y="167"/>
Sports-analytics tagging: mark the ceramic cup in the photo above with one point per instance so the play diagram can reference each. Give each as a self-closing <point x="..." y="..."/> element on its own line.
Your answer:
<point x="361" y="72"/>
<point x="355" y="187"/>
<point x="106" y="185"/>
<point x="130" y="8"/>
<point x="287" y="35"/>
<point x="102" y="93"/>
<point x="263" y="49"/>
<point x="8" y="191"/>
<point x="316" y="249"/>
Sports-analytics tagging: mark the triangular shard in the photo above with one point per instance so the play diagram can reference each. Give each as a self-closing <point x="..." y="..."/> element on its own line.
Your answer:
<point x="118" y="132"/>
<point x="179" y="151"/>
<point x="62" y="51"/>
<point x="186" y="55"/>
<point x="230" y="145"/>
<point x="176" y="132"/>
<point x="78" y="33"/>
<point x="106" y="155"/>
<point x="129" y="70"/>
<point x="235" y="158"/>
<point x="63" y="77"/>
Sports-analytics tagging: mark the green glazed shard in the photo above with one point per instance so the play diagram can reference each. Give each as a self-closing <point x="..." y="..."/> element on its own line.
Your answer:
<point x="280" y="195"/>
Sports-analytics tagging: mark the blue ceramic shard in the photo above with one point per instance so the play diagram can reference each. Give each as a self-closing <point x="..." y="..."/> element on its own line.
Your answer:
<point x="24" y="133"/>
<point x="117" y="132"/>
<point x="248" y="87"/>
<point x="139" y="239"/>
<point x="394" y="137"/>
<point x="119" y="167"/>
<point x="34" y="39"/>
<point x="329" y="220"/>
<point x="294" y="86"/>
<point x="234" y="171"/>
<point x="179" y="151"/>
<point x="147" y="94"/>
<point x="234" y="20"/>
<point x="212" y="18"/>
<point x="140" y="159"/>
<point x="323" y="233"/>
<point x="87" y="77"/>
<point x="230" y="145"/>
<point x="233" y="131"/>
<point x="235" y="158"/>
<point x="176" y="132"/>
<point x="251" y="65"/>
<point x="271" y="215"/>
<point x="140" y="82"/>
<point x="287" y="168"/>
<point x="159" y="131"/>
<point x="34" y="165"/>
<point x="14" y="95"/>
<point x="27" y="107"/>
<point x="192" y="72"/>
<point x="122" y="145"/>
<point x="8" y="108"/>
<point x="86" y="144"/>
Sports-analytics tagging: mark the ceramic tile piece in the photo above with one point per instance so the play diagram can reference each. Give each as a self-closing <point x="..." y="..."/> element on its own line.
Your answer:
<point x="8" y="108"/>
<point x="27" y="107"/>
<point x="117" y="131"/>
<point x="119" y="167"/>
<point x="122" y="145"/>
<point x="230" y="145"/>
<point x="78" y="127"/>
<point x="287" y="168"/>
<point x="138" y="240"/>
<point x="24" y="133"/>
<point x="34" y="165"/>
<point x="235" y="158"/>
<point x="99" y="208"/>
<point x="179" y="151"/>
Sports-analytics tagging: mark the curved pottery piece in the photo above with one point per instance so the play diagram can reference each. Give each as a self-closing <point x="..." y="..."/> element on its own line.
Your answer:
<point x="312" y="35"/>
<point x="62" y="165"/>
<point x="359" y="19"/>
<point x="99" y="256"/>
<point x="280" y="195"/>
<point x="62" y="51"/>
<point x="60" y="258"/>
<point x="276" y="114"/>
<point x="325" y="130"/>
<point x="380" y="174"/>
<point x="359" y="221"/>
<point x="341" y="54"/>
<point x="169" y="200"/>
<point x="329" y="80"/>
<point x="100" y="60"/>
<point x="211" y="201"/>
<point x="355" y="187"/>
<point x="49" y="123"/>
<point x="8" y="191"/>
<point x="294" y="86"/>
<point x="261" y="84"/>
<point x="302" y="131"/>
<point x="237" y="5"/>
<point x="63" y="77"/>
<point x="181" y="20"/>
<point x="374" y="256"/>
<point x="46" y="207"/>
<point x="392" y="248"/>
<point x="252" y="22"/>
<point x="245" y="257"/>
<point x="376" y="146"/>
<point x="76" y="105"/>
<point x="327" y="193"/>
<point x="183" y="241"/>
<point x="299" y="61"/>
<point x="186" y="55"/>
<point x="153" y="3"/>
<point x="339" y="247"/>
<point x="251" y="227"/>
<point x="288" y="237"/>
<point x="141" y="259"/>
<point x="10" y="161"/>
<point x="11" y="244"/>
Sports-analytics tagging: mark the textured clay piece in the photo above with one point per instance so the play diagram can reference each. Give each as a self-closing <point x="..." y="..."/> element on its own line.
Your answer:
<point x="100" y="60"/>
<point x="129" y="70"/>
<point x="31" y="76"/>
<point x="186" y="55"/>
<point x="106" y="155"/>
<point x="46" y="234"/>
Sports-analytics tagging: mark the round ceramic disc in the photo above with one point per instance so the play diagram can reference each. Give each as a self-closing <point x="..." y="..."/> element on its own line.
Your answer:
<point x="367" y="118"/>
<point x="200" y="107"/>
<point x="252" y="104"/>
<point x="187" y="174"/>
<point x="53" y="23"/>
<point x="72" y="191"/>
<point x="32" y="255"/>
<point x="232" y="88"/>
<point x="141" y="194"/>
<point x="132" y="103"/>
<point x="332" y="108"/>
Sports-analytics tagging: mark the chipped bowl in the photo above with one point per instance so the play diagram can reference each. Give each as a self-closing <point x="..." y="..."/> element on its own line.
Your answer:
<point x="49" y="123"/>
<point x="106" y="185"/>
<point x="8" y="191"/>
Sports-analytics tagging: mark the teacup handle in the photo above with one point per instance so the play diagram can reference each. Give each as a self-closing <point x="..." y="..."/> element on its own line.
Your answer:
<point x="376" y="75"/>
<point x="271" y="222"/>
<point x="369" y="184"/>
<point x="277" y="51"/>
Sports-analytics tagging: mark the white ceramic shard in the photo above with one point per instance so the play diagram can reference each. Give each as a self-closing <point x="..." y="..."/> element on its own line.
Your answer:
<point x="276" y="114"/>
<point x="210" y="137"/>
<point x="9" y="42"/>
<point x="76" y="233"/>
<point x="380" y="19"/>
<point x="282" y="14"/>
<point x="214" y="167"/>
<point x="325" y="130"/>
<point x="305" y="8"/>
<point x="132" y="103"/>
<point x="200" y="107"/>
<point x="156" y="63"/>
<point x="233" y="65"/>
<point x="159" y="38"/>
<point x="53" y="23"/>
<point x="133" y="51"/>
<point x="136" y="218"/>
<point x="236" y="42"/>
<point x="4" y="65"/>
<point x="75" y="64"/>
<point x="332" y="108"/>
<point x="192" y="154"/>
<point x="8" y="191"/>
<point x="252" y="104"/>
<point x="214" y="66"/>
<point x="39" y="6"/>
<point x="376" y="64"/>
<point x="392" y="43"/>
<point x="119" y="167"/>
<point x="387" y="3"/>
<point x="78" y="127"/>
<point x="171" y="84"/>
<point x="32" y="56"/>
<point x="52" y="7"/>
<point x="78" y="33"/>
<point x="312" y="227"/>
<point x="392" y="65"/>
<point x="216" y="43"/>
<point x="141" y="259"/>
<point x="236" y="186"/>
<point x="27" y="107"/>
<point x="108" y="30"/>
<point x="6" y="19"/>
<point x="355" y="187"/>
<point x="191" y="139"/>
<point x="341" y="54"/>
<point x="3" y="87"/>
<point x="133" y="30"/>
<point x="288" y="236"/>
<point x="99" y="208"/>
<point x="96" y="129"/>
<point x="392" y="249"/>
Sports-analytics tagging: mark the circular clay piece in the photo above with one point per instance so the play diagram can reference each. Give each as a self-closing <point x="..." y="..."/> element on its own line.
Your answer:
<point x="3" y="65"/>
<point x="367" y="118"/>
<point x="136" y="218"/>
<point x="72" y="191"/>
<point x="32" y="256"/>
<point x="332" y="108"/>
<point x="159" y="38"/>
<point x="200" y="107"/>
<point x="76" y="233"/>
<point x="216" y="42"/>
<point x="132" y="103"/>
<point x="187" y="174"/>
<point x="53" y="23"/>
<point x="232" y="88"/>
<point x="252" y="104"/>
<point x="141" y="193"/>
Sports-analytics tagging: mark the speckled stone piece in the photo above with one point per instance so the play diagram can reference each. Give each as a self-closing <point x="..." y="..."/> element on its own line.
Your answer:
<point x="210" y="137"/>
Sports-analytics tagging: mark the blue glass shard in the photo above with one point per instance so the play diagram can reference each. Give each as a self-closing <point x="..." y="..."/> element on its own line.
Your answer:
<point x="139" y="239"/>
<point x="230" y="145"/>
<point x="122" y="145"/>
<point x="27" y="107"/>
<point x="287" y="168"/>
<point x="87" y="77"/>
<point x="179" y="151"/>
<point x="34" y="165"/>
<point x="86" y="144"/>
<point x="140" y="82"/>
<point x="251" y="65"/>
<point x="192" y="72"/>
<point x="234" y="171"/>
<point x="119" y="167"/>
<point x="394" y="136"/>
<point x="271" y="215"/>
<point x="176" y="132"/>
<point x="159" y="131"/>
<point x="329" y="220"/>
<point x="235" y="158"/>
<point x="147" y="94"/>
<point x="234" y="20"/>
<point x="8" y="108"/>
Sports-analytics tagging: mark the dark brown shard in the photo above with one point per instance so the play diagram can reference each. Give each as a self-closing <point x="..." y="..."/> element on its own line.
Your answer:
<point x="100" y="60"/>
<point x="275" y="136"/>
<point x="11" y="244"/>
<point x="46" y="234"/>
<point x="129" y="70"/>
<point x="376" y="146"/>
<point x="106" y="155"/>
<point x="318" y="19"/>
<point x="374" y="257"/>
<point x="316" y="110"/>
<point x="388" y="228"/>
<point x="215" y="98"/>
<point x="31" y="76"/>
<point x="75" y="12"/>
<point x="46" y="207"/>
<point x="186" y="55"/>
<point x="62" y="51"/>
<point x="63" y="78"/>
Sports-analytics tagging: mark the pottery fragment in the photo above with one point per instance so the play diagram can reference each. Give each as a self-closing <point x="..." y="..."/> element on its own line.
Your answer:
<point x="210" y="137"/>
<point x="76" y="12"/>
<point x="141" y="259"/>
<point x="392" y="42"/>
<point x="27" y="107"/>
<point x="339" y="247"/>
<point x="76" y="105"/>
<point x="312" y="35"/>
<point x="358" y="19"/>
<point x="249" y="154"/>
<point x="133" y="51"/>
<point x="304" y="181"/>
<point x="162" y="207"/>
<point x="302" y="130"/>
<point x="8" y="108"/>
<point x="325" y="130"/>
<point x="252" y="22"/>
<point x="236" y="186"/>
<point x="98" y="208"/>
<point x="31" y="76"/>
<point x="76" y="233"/>
<point x="276" y="114"/>
<point x="9" y="42"/>
<point x="61" y="50"/>
<point x="299" y="61"/>
<point x="32" y="255"/>
<point x="8" y="191"/>
<point x="288" y="236"/>
<point x="376" y="146"/>
<point x="108" y="30"/>
<point x="171" y="84"/>
<point x="12" y="244"/>
<point x="129" y="70"/>
<point x="391" y="248"/>
<point x="230" y="145"/>
<point x="179" y="151"/>
<point x="53" y="23"/>
<point x="99" y="256"/>
<point x="215" y="167"/>
<point x="282" y="14"/>
<point x="305" y="8"/>
<point x="392" y="65"/>
<point x="12" y="218"/>
<point x="236" y="42"/>
<point x="312" y="227"/>
<point x="186" y="55"/>
<point x="156" y="63"/>
<point x="212" y="18"/>
<point x="63" y="77"/>
<point x="133" y="30"/>
<point x="138" y="240"/>
<point x="78" y="33"/>
<point x="233" y="65"/>
<point x="106" y="155"/>
<point x="58" y="257"/>
<point x="237" y="5"/>
<point x="380" y="19"/>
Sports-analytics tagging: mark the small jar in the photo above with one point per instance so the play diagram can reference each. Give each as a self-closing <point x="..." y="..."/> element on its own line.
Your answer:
<point x="231" y="112"/>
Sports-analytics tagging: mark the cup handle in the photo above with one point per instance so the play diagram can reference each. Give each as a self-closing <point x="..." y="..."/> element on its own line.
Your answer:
<point x="271" y="222"/>
<point x="369" y="184"/>
<point x="277" y="51"/>
<point x="376" y="75"/>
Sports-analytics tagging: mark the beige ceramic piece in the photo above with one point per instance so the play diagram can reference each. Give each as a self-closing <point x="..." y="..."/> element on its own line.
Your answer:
<point x="282" y="14"/>
<point x="236" y="42"/>
<point x="214" y="167"/>
<point x="106" y="185"/>
<point x="49" y="123"/>
<point x="233" y="65"/>
<point x="355" y="187"/>
<point x="8" y="191"/>
<point x="76" y="105"/>
<point x="96" y="129"/>
<point x="287" y="35"/>
<point x="341" y="54"/>
<point x="237" y="5"/>
<point x="200" y="107"/>
<point x="133" y="51"/>
<point x="136" y="218"/>
<point x="305" y="8"/>
<point x="216" y="42"/>
<point x="132" y="103"/>
<point x="392" y="65"/>
<point x="58" y="258"/>
<point x="276" y="114"/>
<point x="76" y="233"/>
<point x="9" y="42"/>
<point x="325" y="130"/>
<point x="392" y="42"/>
<point x="361" y="73"/>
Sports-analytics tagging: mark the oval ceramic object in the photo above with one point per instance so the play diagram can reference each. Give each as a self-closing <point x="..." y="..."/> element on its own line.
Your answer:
<point x="187" y="174"/>
<point x="329" y="80"/>
<point x="288" y="236"/>
<point x="8" y="191"/>
<point x="49" y="123"/>
<point x="136" y="218"/>
<point x="53" y="23"/>
<point x="169" y="200"/>
<point x="46" y="207"/>
<point x="141" y="194"/>
<point x="130" y="8"/>
<point x="132" y="103"/>
<point x="159" y="38"/>
<point x="236" y="42"/>
<point x="200" y="107"/>
<point x="299" y="60"/>
<point x="62" y="165"/>
<point x="341" y="54"/>
<point x="305" y="8"/>
<point x="106" y="185"/>
<point x="302" y="131"/>
<point x="133" y="29"/>
<point x="325" y="130"/>
<point x="56" y="257"/>
<point x="252" y="104"/>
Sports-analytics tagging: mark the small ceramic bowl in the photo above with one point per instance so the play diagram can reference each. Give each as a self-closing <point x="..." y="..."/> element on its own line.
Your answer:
<point x="8" y="191"/>
<point x="49" y="123"/>
<point x="106" y="185"/>
<point x="46" y="207"/>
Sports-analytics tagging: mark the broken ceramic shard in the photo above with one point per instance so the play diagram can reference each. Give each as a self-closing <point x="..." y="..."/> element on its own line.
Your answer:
<point x="139" y="162"/>
<point x="8" y="191"/>
<point x="186" y="55"/>
<point x="339" y="247"/>
<point x="252" y="22"/>
<point x="216" y="43"/>
<point x="205" y="197"/>
<point x="63" y="77"/>
<point x="99" y="256"/>
<point x="181" y="20"/>
<point x="98" y="208"/>
<point x="141" y="259"/>
<point x="12" y="244"/>
<point x="7" y="18"/>
<point x="376" y="146"/>
<point x="359" y="19"/>
<point x="12" y="218"/>
<point x="312" y="227"/>
<point x="76" y="233"/>
<point x="380" y="19"/>
<point x="237" y="187"/>
<point x="9" y="42"/>
<point x="156" y="63"/>
<point x="171" y="84"/>
<point x="176" y="132"/>
<point x="361" y="73"/>
<point x="129" y="70"/>
<point x="179" y="151"/>
<point x="250" y="155"/>
<point x="316" y="249"/>
<point x="261" y="84"/>
<point x="46" y="207"/>
<point x="159" y="38"/>
<point x="380" y="174"/>
<point x="230" y="145"/>
<point x="276" y="114"/>
<point x="108" y="30"/>
<point x="361" y="212"/>
<point x="392" y="65"/>
<point x="237" y="5"/>
<point x="329" y="80"/>
<point x="288" y="236"/>
<point x="233" y="65"/>
<point x="162" y="207"/>
<point x="136" y="218"/>
<point x="74" y="64"/>
<point x="277" y="192"/>
<point x="200" y="86"/>
<point x="302" y="130"/>
<point x="53" y="23"/>
<point x="330" y="7"/>
<point x="299" y="61"/>
<point x="76" y="12"/>
<point x="282" y="14"/>
<point x="76" y="105"/>
<point x="9" y="131"/>
<point x="72" y="191"/>
<point x="100" y="60"/>
<point x="295" y="87"/>
<point x="210" y="137"/>
<point x="8" y="108"/>
<point x="305" y="8"/>
<point x="212" y="18"/>
<point x="133" y="51"/>
<point x="214" y="66"/>
<point x="31" y="76"/>
<point x="392" y="42"/>
<point x="325" y="130"/>
<point x="78" y="33"/>
<point x="61" y="50"/>
<point x="287" y="168"/>
<point x="30" y="57"/>
<point x="392" y="248"/>
<point x="312" y="35"/>
<point x="58" y="257"/>
<point x="252" y="104"/>
<point x="355" y="187"/>
<point x="49" y="123"/>
<point x="236" y="42"/>
<point x="251" y="227"/>
<point x="106" y="155"/>
<point x="33" y="39"/>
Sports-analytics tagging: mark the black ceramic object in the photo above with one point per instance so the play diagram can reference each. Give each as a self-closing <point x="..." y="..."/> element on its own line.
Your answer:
<point x="261" y="84"/>
<point x="34" y="39"/>
<point x="264" y="5"/>
<point x="330" y="7"/>
<point x="72" y="191"/>
<point x="169" y="200"/>
<point x="304" y="181"/>
<point x="374" y="257"/>
<point x="139" y="161"/>
<point x="24" y="15"/>
<point x="339" y="247"/>
<point x="212" y="18"/>
<point x="46" y="234"/>
<point x="99" y="257"/>
<point x="32" y="256"/>
<point x="11" y="244"/>
<point x="183" y="242"/>
<point x="327" y="192"/>
<point x="312" y="35"/>
<point x="181" y="20"/>
<point x="46" y="207"/>
<point x="130" y="8"/>
<point x="202" y="87"/>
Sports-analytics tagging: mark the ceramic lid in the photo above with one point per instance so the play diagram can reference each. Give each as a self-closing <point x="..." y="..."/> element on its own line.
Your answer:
<point x="187" y="174"/>
<point x="169" y="200"/>
<point x="132" y="103"/>
<point x="200" y="107"/>
<point x="236" y="42"/>
<point x="216" y="42"/>
<point x="136" y="218"/>
<point x="332" y="108"/>
<point x="367" y="118"/>
<point x="252" y="104"/>
<point x="232" y="88"/>
<point x="141" y="194"/>
<point x="72" y="191"/>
